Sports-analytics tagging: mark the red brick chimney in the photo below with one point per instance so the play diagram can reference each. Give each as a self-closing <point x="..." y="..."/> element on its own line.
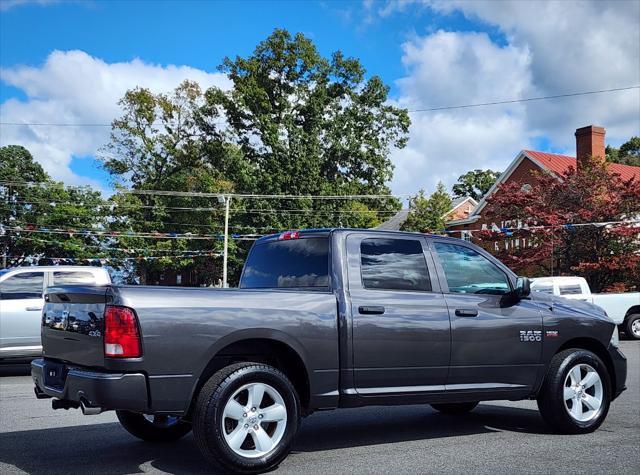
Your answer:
<point x="590" y="144"/>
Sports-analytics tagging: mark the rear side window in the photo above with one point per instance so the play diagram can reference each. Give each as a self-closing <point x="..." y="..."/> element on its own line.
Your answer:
<point x="570" y="289"/>
<point x="394" y="264"/>
<point x="75" y="277"/>
<point x="296" y="263"/>
<point x="544" y="288"/>
<point x="26" y="285"/>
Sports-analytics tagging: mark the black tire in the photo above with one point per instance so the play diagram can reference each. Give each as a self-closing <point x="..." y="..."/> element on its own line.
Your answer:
<point x="628" y="326"/>
<point x="208" y="421"/>
<point x="161" y="429"/>
<point x="551" y="401"/>
<point x="455" y="408"/>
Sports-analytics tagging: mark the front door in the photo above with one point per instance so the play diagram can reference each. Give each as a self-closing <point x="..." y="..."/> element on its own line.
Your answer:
<point x="400" y="338"/>
<point x="20" y="313"/>
<point x="496" y="340"/>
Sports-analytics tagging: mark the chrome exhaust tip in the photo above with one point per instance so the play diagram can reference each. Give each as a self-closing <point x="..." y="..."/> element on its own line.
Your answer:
<point x="89" y="410"/>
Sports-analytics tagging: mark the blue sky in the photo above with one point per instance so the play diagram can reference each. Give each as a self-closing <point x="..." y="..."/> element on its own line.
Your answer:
<point x="430" y="53"/>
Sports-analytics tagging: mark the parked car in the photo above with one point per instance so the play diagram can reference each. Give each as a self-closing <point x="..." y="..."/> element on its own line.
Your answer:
<point x="325" y="319"/>
<point x="21" y="302"/>
<point x="622" y="308"/>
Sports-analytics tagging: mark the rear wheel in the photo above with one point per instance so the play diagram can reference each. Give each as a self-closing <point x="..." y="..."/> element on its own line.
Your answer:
<point x="632" y="326"/>
<point x="576" y="393"/>
<point x="153" y="428"/>
<point x="246" y="417"/>
<point x="455" y="408"/>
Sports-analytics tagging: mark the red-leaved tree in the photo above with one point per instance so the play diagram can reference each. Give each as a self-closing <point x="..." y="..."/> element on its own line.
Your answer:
<point x="558" y="240"/>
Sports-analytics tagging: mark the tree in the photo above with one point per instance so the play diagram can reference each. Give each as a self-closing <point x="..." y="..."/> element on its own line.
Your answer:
<point x="555" y="235"/>
<point x="627" y="154"/>
<point x="293" y="123"/>
<point x="475" y="183"/>
<point x="427" y="214"/>
<point x="30" y="200"/>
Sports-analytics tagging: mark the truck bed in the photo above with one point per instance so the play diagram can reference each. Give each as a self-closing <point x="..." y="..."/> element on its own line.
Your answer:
<point x="183" y="328"/>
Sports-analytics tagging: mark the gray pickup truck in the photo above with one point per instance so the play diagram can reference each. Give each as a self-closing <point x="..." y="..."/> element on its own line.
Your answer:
<point x="325" y="319"/>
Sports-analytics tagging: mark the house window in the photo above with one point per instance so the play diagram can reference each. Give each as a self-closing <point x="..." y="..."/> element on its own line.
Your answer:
<point x="526" y="188"/>
<point x="179" y="279"/>
<point x="465" y="236"/>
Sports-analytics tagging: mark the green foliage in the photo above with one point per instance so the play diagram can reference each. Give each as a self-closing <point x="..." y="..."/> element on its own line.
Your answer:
<point x="427" y="214"/>
<point x="294" y="123"/>
<point x="627" y="154"/>
<point x="49" y="205"/>
<point x="475" y="184"/>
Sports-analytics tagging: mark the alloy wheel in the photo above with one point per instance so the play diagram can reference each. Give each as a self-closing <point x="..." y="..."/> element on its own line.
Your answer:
<point x="254" y="420"/>
<point x="583" y="393"/>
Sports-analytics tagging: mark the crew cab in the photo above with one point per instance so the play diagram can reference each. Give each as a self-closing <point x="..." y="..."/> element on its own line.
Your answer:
<point x="22" y="298"/>
<point x="622" y="308"/>
<point x="325" y="319"/>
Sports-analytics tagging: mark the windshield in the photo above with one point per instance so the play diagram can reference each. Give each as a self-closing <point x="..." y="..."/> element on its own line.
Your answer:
<point x="295" y="263"/>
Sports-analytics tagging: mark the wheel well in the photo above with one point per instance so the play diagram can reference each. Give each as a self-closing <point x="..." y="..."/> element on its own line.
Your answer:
<point x="595" y="347"/>
<point x="632" y="311"/>
<point x="271" y="352"/>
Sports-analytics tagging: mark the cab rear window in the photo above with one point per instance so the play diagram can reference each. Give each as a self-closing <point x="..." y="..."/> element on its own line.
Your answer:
<point x="288" y="264"/>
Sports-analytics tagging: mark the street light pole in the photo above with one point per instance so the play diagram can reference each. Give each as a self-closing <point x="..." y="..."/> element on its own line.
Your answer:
<point x="227" y="202"/>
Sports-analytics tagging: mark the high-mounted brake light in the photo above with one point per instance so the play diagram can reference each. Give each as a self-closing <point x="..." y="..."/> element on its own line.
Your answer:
<point x="289" y="235"/>
<point x="121" y="335"/>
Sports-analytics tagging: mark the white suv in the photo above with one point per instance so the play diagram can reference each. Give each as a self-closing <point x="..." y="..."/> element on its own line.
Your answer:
<point x="21" y="301"/>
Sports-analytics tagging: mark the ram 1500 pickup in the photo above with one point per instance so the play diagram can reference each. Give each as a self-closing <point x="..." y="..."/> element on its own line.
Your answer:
<point x="325" y="319"/>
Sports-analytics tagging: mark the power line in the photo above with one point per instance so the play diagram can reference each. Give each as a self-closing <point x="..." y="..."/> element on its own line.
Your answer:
<point x="429" y="109"/>
<point x="528" y="99"/>
<point x="114" y="206"/>
<point x="197" y="194"/>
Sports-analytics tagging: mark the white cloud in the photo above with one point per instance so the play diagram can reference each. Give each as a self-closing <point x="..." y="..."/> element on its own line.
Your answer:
<point x="74" y="87"/>
<point x="7" y="4"/>
<point x="459" y="68"/>
<point x="552" y="48"/>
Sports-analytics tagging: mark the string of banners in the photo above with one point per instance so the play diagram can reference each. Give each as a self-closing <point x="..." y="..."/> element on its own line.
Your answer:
<point x="508" y="230"/>
<point x="107" y="260"/>
<point x="32" y="228"/>
<point x="126" y="250"/>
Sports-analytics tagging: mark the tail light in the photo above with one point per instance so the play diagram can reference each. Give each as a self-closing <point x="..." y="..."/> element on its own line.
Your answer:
<point x="289" y="235"/>
<point x="121" y="335"/>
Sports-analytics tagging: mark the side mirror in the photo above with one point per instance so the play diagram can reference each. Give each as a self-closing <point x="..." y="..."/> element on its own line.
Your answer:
<point x="523" y="287"/>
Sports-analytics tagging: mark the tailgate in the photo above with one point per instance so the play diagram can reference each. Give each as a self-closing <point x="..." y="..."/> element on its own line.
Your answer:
<point x="73" y="323"/>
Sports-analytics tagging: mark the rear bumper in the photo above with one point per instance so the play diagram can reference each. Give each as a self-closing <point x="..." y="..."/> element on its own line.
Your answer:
<point x="620" y="369"/>
<point x="126" y="391"/>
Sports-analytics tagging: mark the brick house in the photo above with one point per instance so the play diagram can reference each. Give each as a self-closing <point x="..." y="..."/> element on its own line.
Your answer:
<point x="523" y="169"/>
<point x="460" y="208"/>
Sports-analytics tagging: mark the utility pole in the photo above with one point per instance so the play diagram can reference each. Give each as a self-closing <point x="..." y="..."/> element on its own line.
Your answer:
<point x="227" y="203"/>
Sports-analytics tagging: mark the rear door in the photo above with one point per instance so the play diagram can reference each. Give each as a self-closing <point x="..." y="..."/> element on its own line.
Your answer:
<point x="20" y="311"/>
<point x="496" y="341"/>
<point x="400" y="323"/>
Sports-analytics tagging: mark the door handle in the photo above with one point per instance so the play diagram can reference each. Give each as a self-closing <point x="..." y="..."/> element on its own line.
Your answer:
<point x="371" y="309"/>
<point x="33" y="309"/>
<point x="466" y="312"/>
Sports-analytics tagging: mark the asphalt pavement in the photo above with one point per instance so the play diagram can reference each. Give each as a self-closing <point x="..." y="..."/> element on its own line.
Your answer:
<point x="497" y="437"/>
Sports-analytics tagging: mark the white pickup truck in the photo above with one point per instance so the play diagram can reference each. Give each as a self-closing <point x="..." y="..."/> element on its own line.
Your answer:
<point x="623" y="309"/>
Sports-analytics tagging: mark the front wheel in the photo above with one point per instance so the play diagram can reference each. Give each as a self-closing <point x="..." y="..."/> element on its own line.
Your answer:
<point x="576" y="393"/>
<point x="455" y="408"/>
<point x="246" y="417"/>
<point x="632" y="326"/>
<point x="157" y="428"/>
